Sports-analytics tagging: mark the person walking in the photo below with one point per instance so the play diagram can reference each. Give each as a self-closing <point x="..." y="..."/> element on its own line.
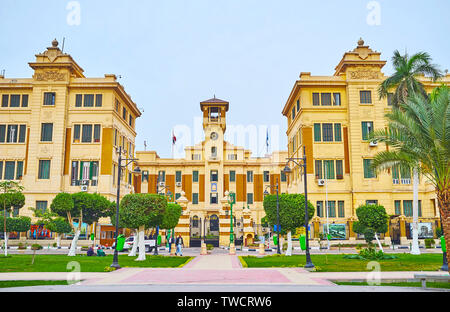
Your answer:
<point x="179" y="243"/>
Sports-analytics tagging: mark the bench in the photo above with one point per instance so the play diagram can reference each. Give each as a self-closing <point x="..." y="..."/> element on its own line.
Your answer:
<point x="424" y="278"/>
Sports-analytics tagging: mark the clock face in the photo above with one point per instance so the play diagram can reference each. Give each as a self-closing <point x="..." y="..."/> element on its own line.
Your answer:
<point x="214" y="136"/>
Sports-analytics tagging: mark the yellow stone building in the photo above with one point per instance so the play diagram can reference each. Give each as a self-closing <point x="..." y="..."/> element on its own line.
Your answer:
<point x="209" y="169"/>
<point x="59" y="131"/>
<point x="331" y="117"/>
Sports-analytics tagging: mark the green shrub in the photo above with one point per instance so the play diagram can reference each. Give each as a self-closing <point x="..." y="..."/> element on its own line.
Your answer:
<point x="36" y="247"/>
<point x="209" y="247"/>
<point x="438" y="232"/>
<point x="109" y="269"/>
<point x="22" y="246"/>
<point x="55" y="245"/>
<point x="370" y="254"/>
<point x="429" y="242"/>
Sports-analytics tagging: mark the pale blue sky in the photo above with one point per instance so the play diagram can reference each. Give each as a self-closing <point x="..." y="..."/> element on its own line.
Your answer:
<point x="173" y="54"/>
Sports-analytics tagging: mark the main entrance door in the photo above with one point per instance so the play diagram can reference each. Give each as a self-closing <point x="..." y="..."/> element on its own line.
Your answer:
<point x="212" y="230"/>
<point x="395" y="231"/>
<point x="195" y="232"/>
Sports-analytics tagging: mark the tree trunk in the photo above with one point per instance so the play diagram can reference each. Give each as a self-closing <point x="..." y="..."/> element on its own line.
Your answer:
<point x="6" y="243"/>
<point x="141" y="256"/>
<point x="415" y="233"/>
<point x="135" y="243"/>
<point x="289" y="246"/>
<point x="58" y="240"/>
<point x="73" y="246"/>
<point x="444" y="209"/>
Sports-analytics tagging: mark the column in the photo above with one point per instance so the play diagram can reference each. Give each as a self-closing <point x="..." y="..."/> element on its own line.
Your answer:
<point x="183" y="225"/>
<point x="249" y="233"/>
<point x="224" y="223"/>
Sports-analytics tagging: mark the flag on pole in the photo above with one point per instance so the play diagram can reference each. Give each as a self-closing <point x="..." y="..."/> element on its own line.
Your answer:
<point x="267" y="140"/>
<point x="174" y="138"/>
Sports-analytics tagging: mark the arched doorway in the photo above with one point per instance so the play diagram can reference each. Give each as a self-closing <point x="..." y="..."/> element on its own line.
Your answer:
<point x="212" y="229"/>
<point x="195" y="232"/>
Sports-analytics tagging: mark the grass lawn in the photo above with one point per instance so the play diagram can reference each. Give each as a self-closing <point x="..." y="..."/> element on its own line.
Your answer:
<point x="336" y="263"/>
<point x="6" y="284"/>
<point x="402" y="284"/>
<point x="58" y="263"/>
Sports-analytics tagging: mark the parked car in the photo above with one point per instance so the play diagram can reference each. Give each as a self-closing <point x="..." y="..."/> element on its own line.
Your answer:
<point x="149" y="244"/>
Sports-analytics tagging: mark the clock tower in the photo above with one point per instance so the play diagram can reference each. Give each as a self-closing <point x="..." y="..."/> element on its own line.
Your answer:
<point x="214" y="125"/>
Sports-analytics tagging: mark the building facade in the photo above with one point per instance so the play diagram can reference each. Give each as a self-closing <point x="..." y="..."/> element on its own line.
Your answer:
<point x="208" y="170"/>
<point x="331" y="116"/>
<point x="59" y="131"/>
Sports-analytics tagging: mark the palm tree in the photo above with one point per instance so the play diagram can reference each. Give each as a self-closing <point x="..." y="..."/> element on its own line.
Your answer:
<point x="419" y="132"/>
<point x="404" y="80"/>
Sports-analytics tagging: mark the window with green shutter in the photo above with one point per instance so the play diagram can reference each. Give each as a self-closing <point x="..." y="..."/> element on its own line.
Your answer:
<point x="367" y="128"/>
<point x="88" y="100"/>
<point x="87" y="134"/>
<point x="10" y="167"/>
<point x="283" y="176"/>
<point x="327" y="132"/>
<point x="41" y="205"/>
<point x="407" y="208"/>
<point x="328" y="166"/>
<point x="249" y="198"/>
<point x="341" y="210"/>
<point x="397" y="208"/>
<point x="2" y="133"/>
<point x="249" y="176"/>
<point x="319" y="206"/>
<point x="44" y="169"/>
<point x="15" y="100"/>
<point x="365" y="97"/>
<point x="194" y="176"/>
<point x="339" y="169"/>
<point x="178" y="176"/>
<point x="46" y="132"/>
<point x="337" y="132"/>
<point x="1" y="170"/>
<point x="332" y="209"/>
<point x="326" y="99"/>
<point x="195" y="198"/>
<point x="317" y="133"/>
<point x="318" y="166"/>
<point x="369" y="173"/>
<point x="19" y="172"/>
<point x="316" y="99"/>
<point x="266" y="176"/>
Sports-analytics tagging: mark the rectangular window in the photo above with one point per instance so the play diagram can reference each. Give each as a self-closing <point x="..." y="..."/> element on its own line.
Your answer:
<point x="15" y="100"/>
<point x="365" y="97"/>
<point x="5" y="100"/>
<point x="22" y="133"/>
<point x="78" y="100"/>
<point x="266" y="175"/>
<point x="44" y="169"/>
<point x="130" y="121"/>
<point x="283" y="176"/>
<point x="249" y="198"/>
<point x="12" y="134"/>
<point x="336" y="99"/>
<point x="339" y="170"/>
<point x="19" y="172"/>
<point x="2" y="133"/>
<point x="87" y="134"/>
<point x="332" y="209"/>
<point x="298" y="105"/>
<point x="398" y="209"/>
<point x="195" y="198"/>
<point x="232" y="156"/>
<point x="318" y="165"/>
<point x="293" y="113"/>
<point x="10" y="167"/>
<point x="249" y="176"/>
<point x="213" y="198"/>
<point x="319" y="207"/>
<point x="232" y="176"/>
<point x="367" y="128"/>
<point x="337" y="132"/>
<point x="214" y="176"/>
<point x="1" y="170"/>
<point x="88" y="100"/>
<point x="328" y="166"/>
<point x="46" y="132"/>
<point x="326" y="99"/>
<point x="405" y="175"/>
<point x="372" y="202"/>
<point x="25" y="100"/>
<point x="341" y="210"/>
<point x="194" y="176"/>
<point x="407" y="208"/>
<point x="76" y="133"/>
<point x="98" y="100"/>
<point x="97" y="130"/>
<point x="420" y="209"/>
<point x="316" y="99"/>
<point x="390" y="96"/>
<point x="145" y="176"/>
<point x="49" y="98"/>
<point x="117" y="106"/>
<point x="369" y="173"/>
<point x="74" y="174"/>
<point x="327" y="130"/>
<point x="124" y="113"/>
<point x="41" y="205"/>
<point x="161" y="176"/>
<point x="178" y="176"/>
<point x="317" y="133"/>
<point x="196" y="157"/>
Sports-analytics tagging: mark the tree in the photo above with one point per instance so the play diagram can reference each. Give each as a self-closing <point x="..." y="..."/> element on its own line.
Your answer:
<point x="419" y="132"/>
<point x="140" y="211"/>
<point x="171" y="217"/>
<point x="404" y="80"/>
<point x="19" y="224"/>
<point x="11" y="196"/>
<point x="63" y="205"/>
<point x="53" y="223"/>
<point x="291" y="212"/>
<point x="372" y="219"/>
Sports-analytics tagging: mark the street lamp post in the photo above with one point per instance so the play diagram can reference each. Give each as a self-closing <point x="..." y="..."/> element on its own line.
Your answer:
<point x="278" y="213"/>
<point x="231" y="198"/>
<point x="115" y="263"/>
<point x="287" y="169"/>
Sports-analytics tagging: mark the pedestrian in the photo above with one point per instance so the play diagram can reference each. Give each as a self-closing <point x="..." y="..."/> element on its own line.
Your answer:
<point x="179" y="244"/>
<point x="170" y="241"/>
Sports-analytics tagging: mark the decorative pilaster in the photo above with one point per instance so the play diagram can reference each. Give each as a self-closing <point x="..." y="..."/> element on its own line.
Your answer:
<point x="351" y="233"/>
